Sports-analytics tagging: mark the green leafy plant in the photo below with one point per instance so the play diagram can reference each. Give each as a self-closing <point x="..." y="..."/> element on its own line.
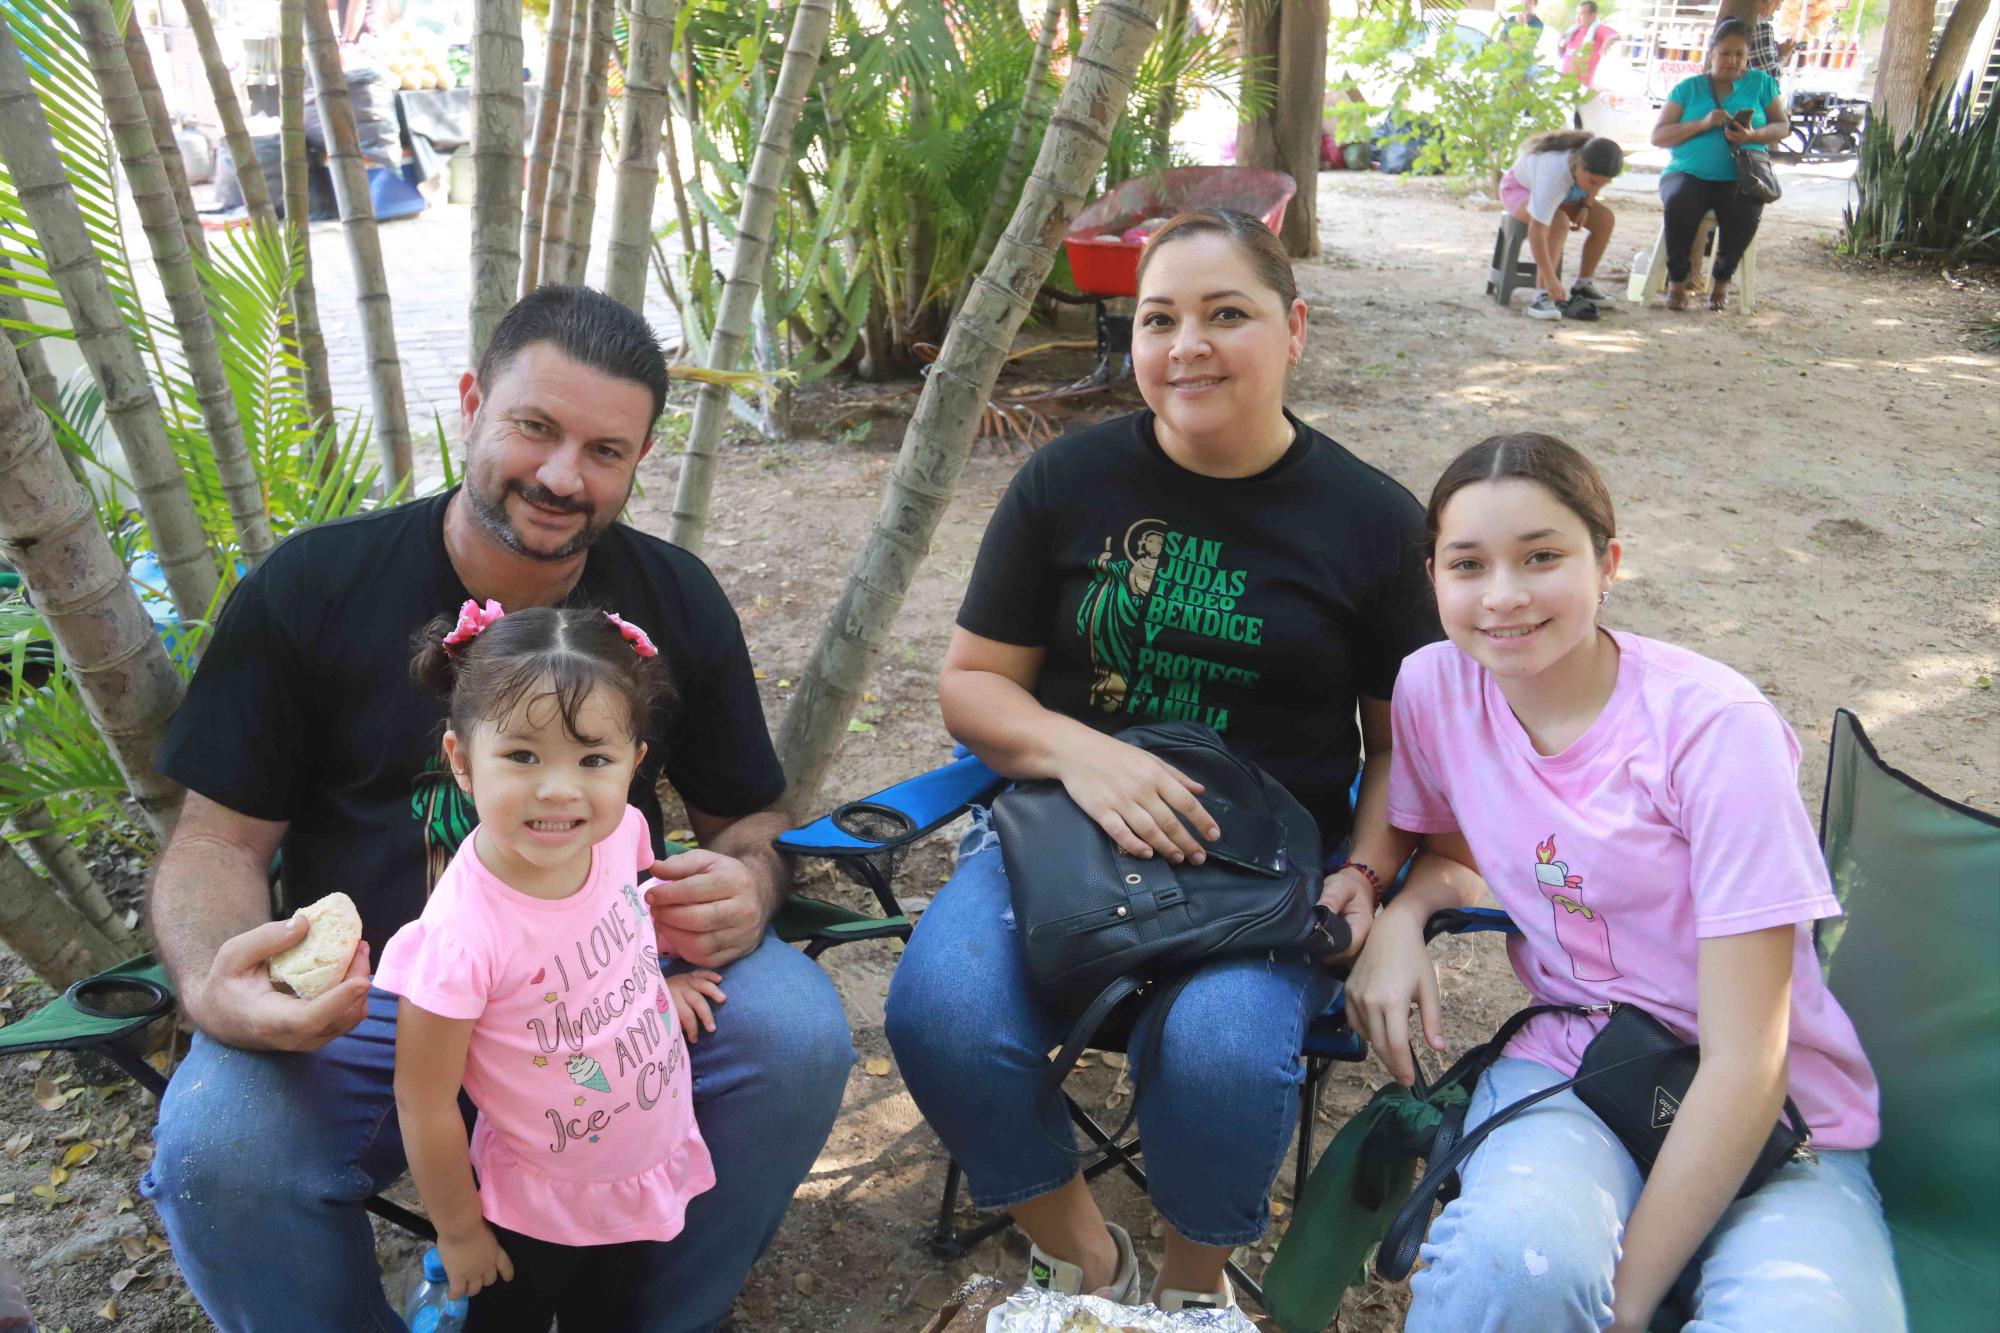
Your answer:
<point x="1935" y="195"/>
<point x="1468" y="104"/>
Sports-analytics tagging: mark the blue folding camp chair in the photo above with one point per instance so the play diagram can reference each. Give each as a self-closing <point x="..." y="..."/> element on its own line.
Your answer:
<point x="867" y="840"/>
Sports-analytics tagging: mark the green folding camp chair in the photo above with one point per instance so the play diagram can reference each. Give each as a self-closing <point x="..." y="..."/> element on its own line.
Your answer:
<point x="1915" y="962"/>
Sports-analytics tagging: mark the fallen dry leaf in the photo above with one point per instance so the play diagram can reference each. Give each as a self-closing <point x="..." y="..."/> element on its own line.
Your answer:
<point x="124" y="1278"/>
<point x="47" y="1194"/>
<point x="877" y="1065"/>
<point x="19" y="1143"/>
<point x="79" y="1154"/>
<point x="80" y="1130"/>
<point x="124" y="1119"/>
<point x="48" y="1096"/>
<point x="57" y="1175"/>
<point x="125" y="1204"/>
<point x="1277" y="1207"/>
<point x="7" y="1198"/>
<point x="135" y="1248"/>
<point x="108" y="1310"/>
<point x="804" y="1282"/>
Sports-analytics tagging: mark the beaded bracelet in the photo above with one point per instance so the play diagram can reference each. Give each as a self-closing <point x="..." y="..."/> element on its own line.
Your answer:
<point x="1365" y="869"/>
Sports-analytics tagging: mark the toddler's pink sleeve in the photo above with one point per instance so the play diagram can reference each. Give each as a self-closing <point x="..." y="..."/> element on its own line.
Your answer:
<point x="1417" y="801"/>
<point x="427" y="963"/>
<point x="1753" y="860"/>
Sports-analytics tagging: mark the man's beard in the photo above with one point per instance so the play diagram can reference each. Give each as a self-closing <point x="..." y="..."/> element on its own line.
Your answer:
<point x="491" y="511"/>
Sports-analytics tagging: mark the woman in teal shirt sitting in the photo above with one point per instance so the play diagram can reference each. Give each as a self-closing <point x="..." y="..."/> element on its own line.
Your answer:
<point x="1706" y="116"/>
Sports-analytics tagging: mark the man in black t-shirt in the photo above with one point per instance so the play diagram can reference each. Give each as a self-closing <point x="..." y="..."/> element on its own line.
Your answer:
<point x="303" y="734"/>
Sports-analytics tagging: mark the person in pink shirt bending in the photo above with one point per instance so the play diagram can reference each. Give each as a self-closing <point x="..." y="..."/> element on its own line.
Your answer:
<point x="1635" y="809"/>
<point x="533" y="980"/>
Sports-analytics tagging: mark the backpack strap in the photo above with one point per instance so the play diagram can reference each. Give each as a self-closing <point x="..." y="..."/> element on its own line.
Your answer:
<point x="1147" y="1058"/>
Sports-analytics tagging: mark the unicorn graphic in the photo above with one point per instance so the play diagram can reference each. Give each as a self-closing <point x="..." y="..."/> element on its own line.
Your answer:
<point x="1581" y="930"/>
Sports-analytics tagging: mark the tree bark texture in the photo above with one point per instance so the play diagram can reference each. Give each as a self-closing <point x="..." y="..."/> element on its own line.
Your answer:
<point x="140" y="57"/>
<point x="298" y="219"/>
<point x="768" y="169"/>
<point x="66" y="870"/>
<point x="49" y="532"/>
<point x="651" y="23"/>
<point x="103" y="338"/>
<point x="364" y="245"/>
<point x="249" y="175"/>
<point x="1953" y="45"/>
<point x="562" y="166"/>
<point x="496" y="166"/>
<point x="1292" y="38"/>
<point x="49" y="935"/>
<point x="548" y="114"/>
<point x="603" y="49"/>
<point x="1903" y="63"/>
<point x="956" y="392"/>
<point x="152" y="196"/>
<point x="1026" y="122"/>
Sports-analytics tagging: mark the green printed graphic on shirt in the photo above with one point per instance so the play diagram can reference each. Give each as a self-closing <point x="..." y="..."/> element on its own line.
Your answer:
<point x="1166" y="581"/>
<point x="447" y="816"/>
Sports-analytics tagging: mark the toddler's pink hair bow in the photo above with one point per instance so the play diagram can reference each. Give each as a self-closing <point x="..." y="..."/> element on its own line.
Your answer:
<point x="473" y="620"/>
<point x="633" y="635"/>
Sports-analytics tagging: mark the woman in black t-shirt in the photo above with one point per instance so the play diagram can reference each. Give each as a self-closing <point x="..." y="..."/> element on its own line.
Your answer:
<point x="1215" y="559"/>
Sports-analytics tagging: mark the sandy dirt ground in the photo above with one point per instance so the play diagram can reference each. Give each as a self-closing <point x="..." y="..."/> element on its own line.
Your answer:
<point x="1811" y="494"/>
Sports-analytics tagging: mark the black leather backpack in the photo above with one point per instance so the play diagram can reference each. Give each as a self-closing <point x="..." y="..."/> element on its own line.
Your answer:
<point x="1100" y="927"/>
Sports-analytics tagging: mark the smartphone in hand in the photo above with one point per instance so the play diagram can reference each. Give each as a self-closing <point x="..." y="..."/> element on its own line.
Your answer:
<point x="1742" y="119"/>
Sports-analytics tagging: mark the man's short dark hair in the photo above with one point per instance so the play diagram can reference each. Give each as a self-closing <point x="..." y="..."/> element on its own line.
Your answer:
<point x="586" y="326"/>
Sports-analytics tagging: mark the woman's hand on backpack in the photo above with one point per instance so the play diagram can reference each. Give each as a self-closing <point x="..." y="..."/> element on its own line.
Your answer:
<point x="474" y="1260"/>
<point x="1146" y="804"/>
<point x="1350" y="894"/>
<point x="1394" y="972"/>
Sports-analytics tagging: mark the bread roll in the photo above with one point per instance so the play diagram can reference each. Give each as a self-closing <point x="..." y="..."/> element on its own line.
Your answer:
<point x="316" y="964"/>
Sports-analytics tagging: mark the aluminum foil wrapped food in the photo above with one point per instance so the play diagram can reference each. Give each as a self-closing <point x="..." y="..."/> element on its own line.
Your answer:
<point x="989" y="1305"/>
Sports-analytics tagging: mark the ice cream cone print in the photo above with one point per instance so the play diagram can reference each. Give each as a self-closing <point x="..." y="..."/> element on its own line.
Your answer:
<point x="1581" y="930"/>
<point x="587" y="1073"/>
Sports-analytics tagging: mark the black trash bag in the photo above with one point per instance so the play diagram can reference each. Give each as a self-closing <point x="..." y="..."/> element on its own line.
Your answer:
<point x="374" y="120"/>
<point x="270" y="160"/>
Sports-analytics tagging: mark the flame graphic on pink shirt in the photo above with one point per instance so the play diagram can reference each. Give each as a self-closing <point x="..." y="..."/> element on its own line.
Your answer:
<point x="1581" y="930"/>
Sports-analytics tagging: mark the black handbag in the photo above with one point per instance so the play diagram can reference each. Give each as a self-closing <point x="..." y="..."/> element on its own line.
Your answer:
<point x="1633" y="1077"/>
<point x="1099" y="926"/>
<point x="1755" y="177"/>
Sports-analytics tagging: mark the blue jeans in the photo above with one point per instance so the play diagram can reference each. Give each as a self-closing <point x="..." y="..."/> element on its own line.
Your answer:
<point x="1216" y="1116"/>
<point x="1534" y="1238"/>
<point x="262" y="1159"/>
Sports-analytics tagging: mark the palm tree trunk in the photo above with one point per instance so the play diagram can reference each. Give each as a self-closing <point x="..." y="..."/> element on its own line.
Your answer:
<point x="364" y="244"/>
<point x="140" y="57"/>
<point x="42" y="385"/>
<point x="548" y="115"/>
<point x="49" y="531"/>
<point x="49" y="935"/>
<point x="1026" y="121"/>
<point x="940" y="433"/>
<point x="602" y="48"/>
<point x="651" y="23"/>
<point x="33" y="825"/>
<point x="153" y="197"/>
<point x="102" y="337"/>
<point x="562" y="166"/>
<point x="298" y="216"/>
<point x="768" y="169"/>
<point x="496" y="165"/>
<point x="249" y="174"/>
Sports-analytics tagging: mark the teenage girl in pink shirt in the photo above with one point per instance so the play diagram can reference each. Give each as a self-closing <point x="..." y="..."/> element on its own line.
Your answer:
<point x="1635" y="808"/>
<point x="532" y="979"/>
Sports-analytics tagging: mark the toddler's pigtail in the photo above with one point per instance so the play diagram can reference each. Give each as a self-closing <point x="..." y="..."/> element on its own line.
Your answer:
<point x="431" y="666"/>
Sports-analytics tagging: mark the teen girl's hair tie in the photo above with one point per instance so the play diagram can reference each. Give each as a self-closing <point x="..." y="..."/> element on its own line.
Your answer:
<point x="473" y="620"/>
<point x="633" y="635"/>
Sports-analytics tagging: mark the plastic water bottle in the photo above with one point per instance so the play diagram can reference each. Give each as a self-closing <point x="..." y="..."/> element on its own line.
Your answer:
<point x="431" y="1307"/>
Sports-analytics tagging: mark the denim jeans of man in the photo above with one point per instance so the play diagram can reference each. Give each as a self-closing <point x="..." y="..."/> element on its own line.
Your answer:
<point x="1533" y="1240"/>
<point x="262" y="1159"/>
<point x="1217" y="1115"/>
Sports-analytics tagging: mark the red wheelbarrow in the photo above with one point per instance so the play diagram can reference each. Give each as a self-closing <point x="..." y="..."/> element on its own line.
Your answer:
<point x="1104" y="242"/>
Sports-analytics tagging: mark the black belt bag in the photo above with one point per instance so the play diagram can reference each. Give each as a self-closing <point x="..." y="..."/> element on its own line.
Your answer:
<point x="1099" y="926"/>
<point x="1633" y="1076"/>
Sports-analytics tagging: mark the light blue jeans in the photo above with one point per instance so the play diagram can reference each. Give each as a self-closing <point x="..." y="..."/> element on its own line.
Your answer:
<point x="262" y="1158"/>
<point x="1216" y="1116"/>
<point x="1532" y="1241"/>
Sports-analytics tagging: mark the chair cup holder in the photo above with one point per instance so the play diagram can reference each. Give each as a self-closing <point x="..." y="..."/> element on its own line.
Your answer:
<point x="117" y="998"/>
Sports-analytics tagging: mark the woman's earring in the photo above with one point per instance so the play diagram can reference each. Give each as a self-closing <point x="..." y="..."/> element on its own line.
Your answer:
<point x="1604" y="597"/>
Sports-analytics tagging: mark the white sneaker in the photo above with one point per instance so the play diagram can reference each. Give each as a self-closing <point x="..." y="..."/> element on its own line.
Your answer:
<point x="1172" y="1300"/>
<point x="1543" y="308"/>
<point x="1061" y="1276"/>
<point x="1585" y="287"/>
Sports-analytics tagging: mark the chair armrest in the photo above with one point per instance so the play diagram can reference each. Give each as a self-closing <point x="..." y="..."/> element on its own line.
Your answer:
<point x="921" y="805"/>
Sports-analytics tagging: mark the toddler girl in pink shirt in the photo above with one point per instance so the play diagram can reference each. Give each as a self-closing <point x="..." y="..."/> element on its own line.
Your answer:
<point x="1635" y="809"/>
<point x="533" y="981"/>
